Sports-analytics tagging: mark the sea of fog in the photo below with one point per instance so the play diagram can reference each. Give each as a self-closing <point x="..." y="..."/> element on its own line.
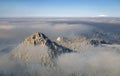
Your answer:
<point x="89" y="61"/>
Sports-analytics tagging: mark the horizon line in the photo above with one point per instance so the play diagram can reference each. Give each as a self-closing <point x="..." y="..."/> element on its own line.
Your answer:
<point x="59" y="17"/>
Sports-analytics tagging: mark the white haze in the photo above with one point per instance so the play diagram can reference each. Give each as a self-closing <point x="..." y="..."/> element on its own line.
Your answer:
<point x="99" y="61"/>
<point x="88" y="61"/>
<point x="59" y="29"/>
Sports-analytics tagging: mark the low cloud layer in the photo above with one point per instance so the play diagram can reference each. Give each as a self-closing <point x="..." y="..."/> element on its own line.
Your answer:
<point x="54" y="30"/>
<point x="21" y="27"/>
<point x="91" y="61"/>
<point x="88" y="61"/>
<point x="7" y="27"/>
<point x="103" y="15"/>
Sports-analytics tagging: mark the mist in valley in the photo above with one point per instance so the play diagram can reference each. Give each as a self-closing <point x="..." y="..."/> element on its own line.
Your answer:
<point x="87" y="60"/>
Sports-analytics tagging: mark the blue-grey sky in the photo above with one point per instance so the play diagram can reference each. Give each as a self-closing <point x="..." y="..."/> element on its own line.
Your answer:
<point x="59" y="8"/>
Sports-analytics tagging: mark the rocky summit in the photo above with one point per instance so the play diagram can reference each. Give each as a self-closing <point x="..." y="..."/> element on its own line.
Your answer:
<point x="37" y="39"/>
<point x="38" y="48"/>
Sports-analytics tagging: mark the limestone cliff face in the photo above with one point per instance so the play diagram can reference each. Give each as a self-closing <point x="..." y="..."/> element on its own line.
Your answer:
<point x="38" y="48"/>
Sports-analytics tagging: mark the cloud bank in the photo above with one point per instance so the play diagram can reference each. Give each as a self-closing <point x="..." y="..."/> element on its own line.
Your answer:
<point x="99" y="61"/>
<point x="103" y="15"/>
<point x="7" y="27"/>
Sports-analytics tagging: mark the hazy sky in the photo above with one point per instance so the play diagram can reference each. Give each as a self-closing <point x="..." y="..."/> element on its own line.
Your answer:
<point x="59" y="8"/>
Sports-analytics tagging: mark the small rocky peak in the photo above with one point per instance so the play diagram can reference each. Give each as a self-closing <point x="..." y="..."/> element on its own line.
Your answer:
<point x="37" y="38"/>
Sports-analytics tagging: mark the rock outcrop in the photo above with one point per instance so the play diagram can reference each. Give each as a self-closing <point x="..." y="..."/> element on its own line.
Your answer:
<point x="38" y="48"/>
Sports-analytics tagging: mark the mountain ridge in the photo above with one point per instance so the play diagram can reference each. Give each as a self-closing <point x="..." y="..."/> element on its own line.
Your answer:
<point x="40" y="49"/>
